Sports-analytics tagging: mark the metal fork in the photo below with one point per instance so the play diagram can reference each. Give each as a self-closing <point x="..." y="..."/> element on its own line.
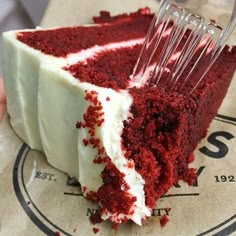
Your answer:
<point x="179" y="46"/>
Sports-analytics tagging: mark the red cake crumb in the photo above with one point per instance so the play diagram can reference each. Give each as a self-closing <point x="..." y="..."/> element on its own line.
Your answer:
<point x="101" y="159"/>
<point x="86" y="142"/>
<point x="190" y="176"/>
<point x="83" y="188"/>
<point x="118" y="200"/>
<point x="74" y="230"/>
<point x="96" y="218"/>
<point x="95" y="230"/>
<point x="115" y="226"/>
<point x="130" y="164"/>
<point x="57" y="233"/>
<point x="190" y="158"/>
<point x="164" y="220"/>
<point x="92" y="196"/>
<point x="93" y="118"/>
<point x="113" y="195"/>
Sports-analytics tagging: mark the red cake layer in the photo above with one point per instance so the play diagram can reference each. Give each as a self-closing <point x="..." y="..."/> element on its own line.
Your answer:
<point x="165" y="126"/>
<point x="63" y="41"/>
<point x="109" y="70"/>
<point x="155" y="136"/>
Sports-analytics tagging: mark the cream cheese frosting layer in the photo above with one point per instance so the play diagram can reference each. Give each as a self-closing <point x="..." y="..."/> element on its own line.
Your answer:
<point x="115" y="106"/>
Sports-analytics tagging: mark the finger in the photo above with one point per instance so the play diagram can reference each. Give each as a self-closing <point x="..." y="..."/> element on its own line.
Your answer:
<point x="2" y="110"/>
<point x="2" y="99"/>
<point x="2" y="93"/>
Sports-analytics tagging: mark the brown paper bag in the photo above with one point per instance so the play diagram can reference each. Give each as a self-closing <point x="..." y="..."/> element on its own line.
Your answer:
<point x="36" y="199"/>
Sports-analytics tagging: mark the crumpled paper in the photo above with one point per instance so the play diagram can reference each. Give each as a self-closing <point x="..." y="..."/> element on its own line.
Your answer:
<point x="36" y="199"/>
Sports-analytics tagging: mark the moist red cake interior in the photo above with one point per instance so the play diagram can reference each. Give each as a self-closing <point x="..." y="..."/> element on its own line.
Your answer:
<point x="109" y="70"/>
<point x="165" y="126"/>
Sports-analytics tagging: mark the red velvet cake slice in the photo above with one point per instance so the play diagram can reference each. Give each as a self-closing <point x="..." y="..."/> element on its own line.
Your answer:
<point x="133" y="143"/>
<point x="158" y="137"/>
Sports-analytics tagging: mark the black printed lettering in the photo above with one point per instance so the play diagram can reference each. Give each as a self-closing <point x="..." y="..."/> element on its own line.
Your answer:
<point x="225" y="179"/>
<point x="161" y="211"/>
<point x="198" y="173"/>
<point x="91" y="211"/>
<point x="222" y="147"/>
<point x="45" y="176"/>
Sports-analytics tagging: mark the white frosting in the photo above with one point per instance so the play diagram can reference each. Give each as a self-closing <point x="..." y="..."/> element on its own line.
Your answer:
<point x="21" y="85"/>
<point x="83" y="55"/>
<point x="44" y="103"/>
<point x="115" y="110"/>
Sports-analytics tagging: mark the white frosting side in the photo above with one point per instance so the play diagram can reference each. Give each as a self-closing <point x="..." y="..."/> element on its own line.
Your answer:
<point x="115" y="110"/>
<point x="21" y="67"/>
<point x="20" y="73"/>
<point x="60" y="105"/>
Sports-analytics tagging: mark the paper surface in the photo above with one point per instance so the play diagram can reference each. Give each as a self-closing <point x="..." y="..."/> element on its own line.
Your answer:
<point x="36" y="199"/>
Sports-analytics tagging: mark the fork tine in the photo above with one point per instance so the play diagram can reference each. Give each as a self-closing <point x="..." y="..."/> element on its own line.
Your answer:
<point x="152" y="40"/>
<point x="170" y="44"/>
<point x="188" y="50"/>
<point x="224" y="35"/>
<point x="144" y="50"/>
<point x="211" y="49"/>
